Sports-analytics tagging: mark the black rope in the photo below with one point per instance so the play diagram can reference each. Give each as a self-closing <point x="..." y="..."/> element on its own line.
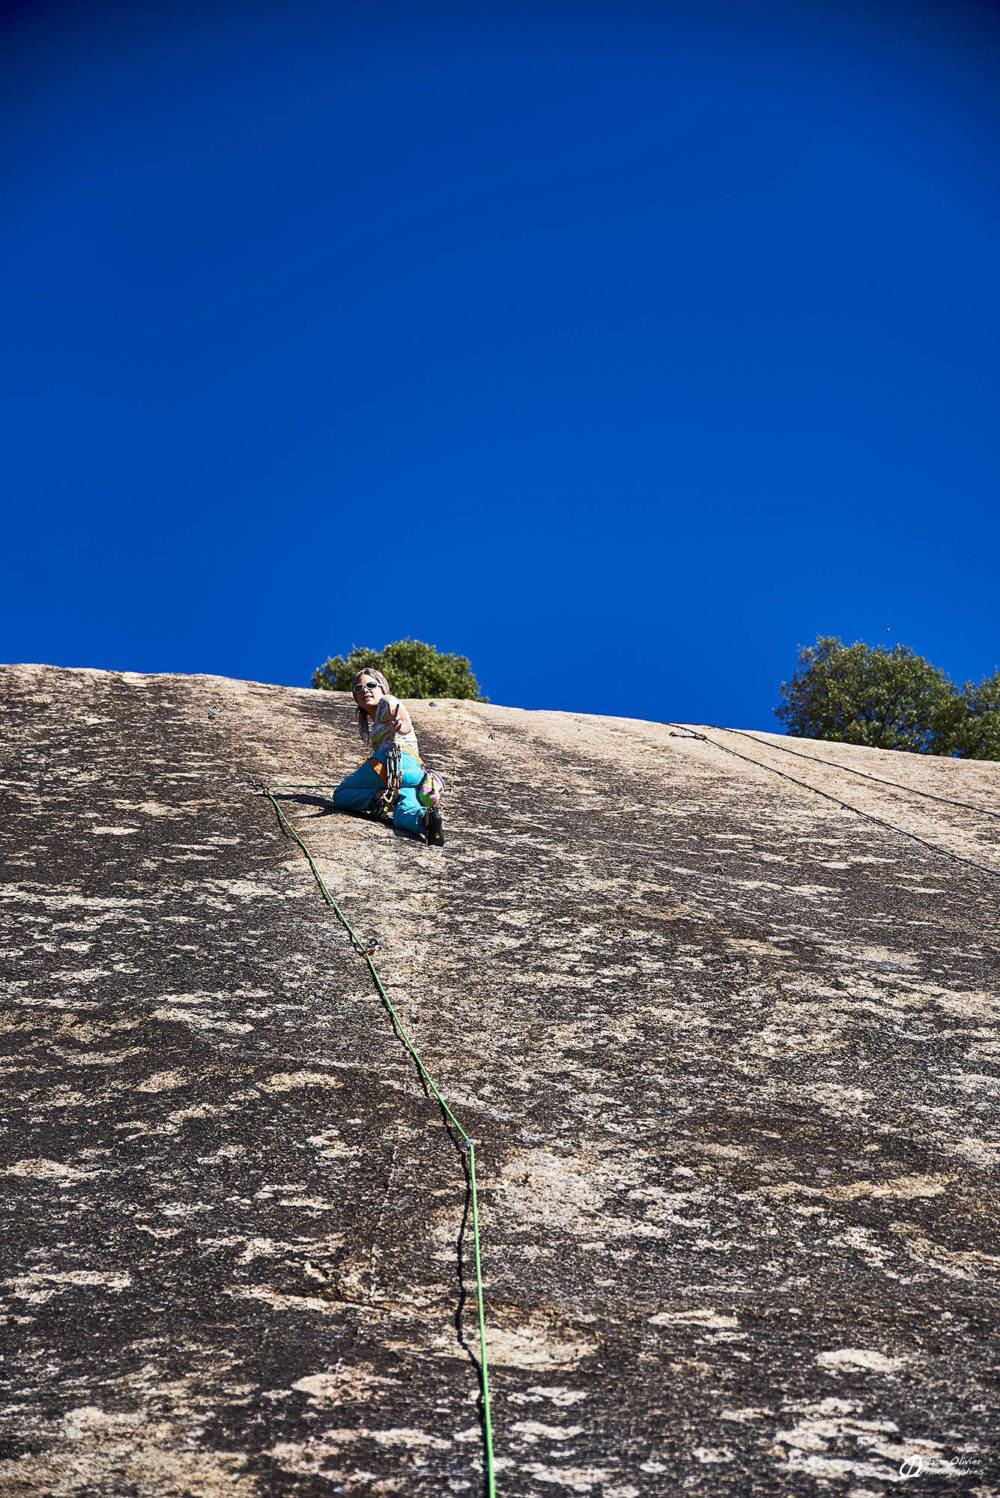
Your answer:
<point x="833" y="765"/>
<point x="828" y="796"/>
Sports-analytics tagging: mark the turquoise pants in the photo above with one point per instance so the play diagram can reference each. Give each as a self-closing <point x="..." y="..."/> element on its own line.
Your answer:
<point x="358" y="791"/>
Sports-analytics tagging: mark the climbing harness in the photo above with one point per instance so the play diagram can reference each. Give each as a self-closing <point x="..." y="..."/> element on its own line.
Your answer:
<point x="366" y="950"/>
<point x="828" y="796"/>
<point x="388" y="766"/>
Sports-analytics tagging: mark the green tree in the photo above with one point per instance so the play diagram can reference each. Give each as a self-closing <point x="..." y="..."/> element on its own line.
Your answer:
<point x="976" y="734"/>
<point x="864" y="694"/>
<point x="411" y="668"/>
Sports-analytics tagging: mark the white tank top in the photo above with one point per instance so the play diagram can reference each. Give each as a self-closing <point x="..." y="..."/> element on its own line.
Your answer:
<point x="381" y="728"/>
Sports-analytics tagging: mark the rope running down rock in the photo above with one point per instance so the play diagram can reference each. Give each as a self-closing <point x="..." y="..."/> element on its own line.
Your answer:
<point x="828" y="796"/>
<point x="832" y="764"/>
<point x="469" y="1144"/>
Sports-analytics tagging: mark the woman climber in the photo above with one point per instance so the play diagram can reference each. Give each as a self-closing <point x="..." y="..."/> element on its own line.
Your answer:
<point x="394" y="779"/>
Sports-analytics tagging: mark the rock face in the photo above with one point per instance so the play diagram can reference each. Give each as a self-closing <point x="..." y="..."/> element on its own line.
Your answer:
<point x="730" y="1054"/>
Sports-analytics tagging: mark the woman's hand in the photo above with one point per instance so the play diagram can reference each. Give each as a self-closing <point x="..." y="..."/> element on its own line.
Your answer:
<point x="400" y="720"/>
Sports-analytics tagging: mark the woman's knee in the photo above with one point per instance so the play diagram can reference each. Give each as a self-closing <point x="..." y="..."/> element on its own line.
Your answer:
<point x="408" y="814"/>
<point x="364" y="778"/>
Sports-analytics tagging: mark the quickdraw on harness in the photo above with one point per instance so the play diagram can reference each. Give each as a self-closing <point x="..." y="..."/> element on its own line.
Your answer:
<point x="393" y="776"/>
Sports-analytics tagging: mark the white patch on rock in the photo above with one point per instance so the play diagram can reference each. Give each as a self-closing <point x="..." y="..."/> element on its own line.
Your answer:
<point x="577" y="1479"/>
<point x="281" y="1302"/>
<point x="536" y="1345"/>
<point x="858" y="1357"/>
<point x="311" y="1456"/>
<point x="164" y="1081"/>
<point x="52" y="1170"/>
<point x="556" y="1395"/>
<point x="287" y="1081"/>
<point x="706" y="1318"/>
<point x="342" y="1382"/>
<point x="535" y="1430"/>
<point x="41" y="1285"/>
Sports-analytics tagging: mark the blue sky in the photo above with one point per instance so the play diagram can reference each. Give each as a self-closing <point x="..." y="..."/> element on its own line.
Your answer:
<point x="622" y="348"/>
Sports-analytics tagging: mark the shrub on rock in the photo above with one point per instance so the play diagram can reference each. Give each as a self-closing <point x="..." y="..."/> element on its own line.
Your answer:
<point x="889" y="699"/>
<point x="411" y="668"/>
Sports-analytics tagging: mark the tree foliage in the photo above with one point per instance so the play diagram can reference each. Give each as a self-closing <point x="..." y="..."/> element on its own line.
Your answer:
<point x="889" y="699"/>
<point x="411" y="668"/>
<point x="977" y="731"/>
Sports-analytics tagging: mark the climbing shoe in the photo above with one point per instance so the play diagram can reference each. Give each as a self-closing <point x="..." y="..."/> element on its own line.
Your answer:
<point x="378" y="811"/>
<point x="434" y="829"/>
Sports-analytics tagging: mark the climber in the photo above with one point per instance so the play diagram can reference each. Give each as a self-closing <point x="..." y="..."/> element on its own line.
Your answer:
<point x="394" y="778"/>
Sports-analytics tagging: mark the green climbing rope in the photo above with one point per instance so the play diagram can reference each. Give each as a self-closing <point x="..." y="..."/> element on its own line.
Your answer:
<point x="468" y="1142"/>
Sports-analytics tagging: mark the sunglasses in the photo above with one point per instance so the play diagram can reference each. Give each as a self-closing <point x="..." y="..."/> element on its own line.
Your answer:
<point x="363" y="686"/>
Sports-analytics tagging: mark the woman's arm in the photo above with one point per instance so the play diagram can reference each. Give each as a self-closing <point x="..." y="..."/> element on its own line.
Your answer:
<point x="399" y="717"/>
